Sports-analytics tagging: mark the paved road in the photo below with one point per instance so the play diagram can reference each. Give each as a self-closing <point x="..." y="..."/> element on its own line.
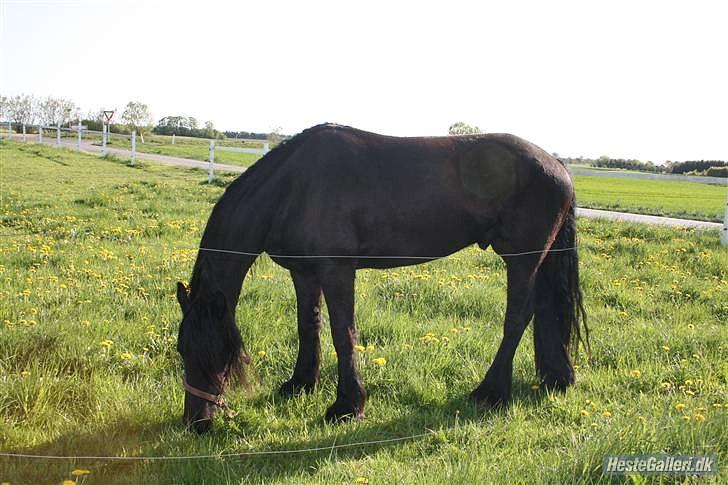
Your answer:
<point x="86" y="146"/>
<point x="644" y="219"/>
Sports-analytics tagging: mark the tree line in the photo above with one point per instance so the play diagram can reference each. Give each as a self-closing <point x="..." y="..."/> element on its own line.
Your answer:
<point x="29" y="111"/>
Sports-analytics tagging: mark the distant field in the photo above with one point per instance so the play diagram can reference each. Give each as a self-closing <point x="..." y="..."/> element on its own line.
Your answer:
<point x="90" y="252"/>
<point x="663" y="198"/>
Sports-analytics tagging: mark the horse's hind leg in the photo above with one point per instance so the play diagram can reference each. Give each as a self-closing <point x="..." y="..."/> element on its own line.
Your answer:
<point x="308" y="303"/>
<point x="495" y="389"/>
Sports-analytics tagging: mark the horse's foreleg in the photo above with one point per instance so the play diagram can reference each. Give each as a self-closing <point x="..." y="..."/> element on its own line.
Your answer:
<point x="308" y="303"/>
<point x="337" y="282"/>
<point x="495" y="389"/>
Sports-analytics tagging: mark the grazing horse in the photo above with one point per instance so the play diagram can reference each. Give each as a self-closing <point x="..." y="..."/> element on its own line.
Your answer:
<point x="334" y="199"/>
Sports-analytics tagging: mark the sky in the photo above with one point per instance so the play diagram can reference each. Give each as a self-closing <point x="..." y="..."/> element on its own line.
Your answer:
<point x="636" y="79"/>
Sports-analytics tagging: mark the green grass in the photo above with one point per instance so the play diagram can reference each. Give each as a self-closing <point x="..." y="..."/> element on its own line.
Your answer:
<point x="657" y="197"/>
<point x="91" y="249"/>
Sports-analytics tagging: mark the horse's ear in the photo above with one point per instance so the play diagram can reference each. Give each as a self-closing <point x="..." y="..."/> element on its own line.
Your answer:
<point x="182" y="296"/>
<point x="218" y="305"/>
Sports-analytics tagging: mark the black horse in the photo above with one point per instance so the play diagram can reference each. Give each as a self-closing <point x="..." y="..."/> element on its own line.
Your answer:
<point x="334" y="199"/>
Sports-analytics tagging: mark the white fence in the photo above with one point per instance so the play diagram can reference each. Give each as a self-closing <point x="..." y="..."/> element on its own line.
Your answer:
<point x="213" y="147"/>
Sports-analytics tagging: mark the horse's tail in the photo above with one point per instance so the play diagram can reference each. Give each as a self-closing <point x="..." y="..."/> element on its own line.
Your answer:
<point x="560" y="319"/>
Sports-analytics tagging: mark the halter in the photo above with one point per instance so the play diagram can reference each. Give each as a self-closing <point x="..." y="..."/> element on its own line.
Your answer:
<point x="215" y="399"/>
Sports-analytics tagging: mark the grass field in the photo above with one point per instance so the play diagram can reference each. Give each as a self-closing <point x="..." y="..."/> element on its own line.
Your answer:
<point x="662" y="198"/>
<point x="91" y="249"/>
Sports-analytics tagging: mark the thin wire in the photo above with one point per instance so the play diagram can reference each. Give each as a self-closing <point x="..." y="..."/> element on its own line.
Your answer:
<point x="328" y="256"/>
<point x="218" y="455"/>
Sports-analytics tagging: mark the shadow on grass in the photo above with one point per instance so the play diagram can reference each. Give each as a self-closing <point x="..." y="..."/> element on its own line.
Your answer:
<point x="294" y="459"/>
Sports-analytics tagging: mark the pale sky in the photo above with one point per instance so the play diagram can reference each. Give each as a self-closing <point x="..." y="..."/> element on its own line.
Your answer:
<point x="634" y="79"/>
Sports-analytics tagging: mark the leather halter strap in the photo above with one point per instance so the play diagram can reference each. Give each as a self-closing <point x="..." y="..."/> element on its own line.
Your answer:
<point x="215" y="399"/>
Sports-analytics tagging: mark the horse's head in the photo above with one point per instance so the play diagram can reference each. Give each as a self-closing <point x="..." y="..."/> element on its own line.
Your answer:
<point x="211" y="349"/>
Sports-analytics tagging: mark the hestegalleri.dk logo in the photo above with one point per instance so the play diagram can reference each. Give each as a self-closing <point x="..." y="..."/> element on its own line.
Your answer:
<point x="660" y="463"/>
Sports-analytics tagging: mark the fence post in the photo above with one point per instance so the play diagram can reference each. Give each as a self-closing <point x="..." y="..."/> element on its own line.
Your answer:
<point x="211" y="168"/>
<point x="266" y="147"/>
<point x="78" y="140"/>
<point x="133" y="146"/>
<point x="23" y="132"/>
<point x="58" y="134"/>
<point x="172" y="138"/>
<point x="103" y="139"/>
<point x="724" y="236"/>
<point x="40" y="133"/>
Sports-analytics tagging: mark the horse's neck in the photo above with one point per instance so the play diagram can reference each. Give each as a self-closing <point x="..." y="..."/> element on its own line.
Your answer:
<point x="220" y="271"/>
<point x="230" y="244"/>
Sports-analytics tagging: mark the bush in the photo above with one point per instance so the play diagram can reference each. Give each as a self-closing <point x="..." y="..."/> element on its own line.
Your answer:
<point x="717" y="172"/>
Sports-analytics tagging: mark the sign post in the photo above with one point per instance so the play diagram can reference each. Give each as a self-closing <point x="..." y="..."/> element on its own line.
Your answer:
<point x="108" y="114"/>
<point x="24" y="132"/>
<point x="133" y="146"/>
<point x="40" y="133"/>
<point x="78" y="140"/>
<point x="58" y="134"/>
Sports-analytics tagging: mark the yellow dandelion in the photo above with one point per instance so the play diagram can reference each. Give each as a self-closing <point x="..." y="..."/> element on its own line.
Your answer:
<point x="68" y="482"/>
<point x="380" y="361"/>
<point x="370" y="348"/>
<point x="688" y="382"/>
<point x="691" y="326"/>
<point x="584" y="412"/>
<point x="125" y="355"/>
<point x="665" y="348"/>
<point x="261" y="353"/>
<point x="665" y="385"/>
<point x="359" y="348"/>
<point x="361" y="480"/>
<point x="686" y="418"/>
<point x="679" y="406"/>
<point x="334" y="354"/>
<point x="606" y="414"/>
<point x="25" y="373"/>
<point x="635" y="373"/>
<point x="689" y="392"/>
<point x="106" y="343"/>
<point x="699" y="417"/>
<point x="79" y="471"/>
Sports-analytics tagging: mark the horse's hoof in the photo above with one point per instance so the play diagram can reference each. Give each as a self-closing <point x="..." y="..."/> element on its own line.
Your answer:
<point x="292" y="388"/>
<point x="557" y="383"/>
<point x="490" y="398"/>
<point x="343" y="413"/>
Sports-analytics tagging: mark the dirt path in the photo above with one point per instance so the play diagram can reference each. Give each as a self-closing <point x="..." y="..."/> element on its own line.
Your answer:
<point x="86" y="146"/>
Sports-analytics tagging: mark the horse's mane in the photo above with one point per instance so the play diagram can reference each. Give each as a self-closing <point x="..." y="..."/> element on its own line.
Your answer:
<point x="253" y="176"/>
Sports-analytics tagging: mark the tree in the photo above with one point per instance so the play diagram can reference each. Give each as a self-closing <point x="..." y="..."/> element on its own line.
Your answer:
<point x="137" y="117"/>
<point x="4" y="111"/>
<point x="461" y="128"/>
<point x="22" y="109"/>
<point x="210" y="131"/>
<point x="56" y="111"/>
<point x="275" y="136"/>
